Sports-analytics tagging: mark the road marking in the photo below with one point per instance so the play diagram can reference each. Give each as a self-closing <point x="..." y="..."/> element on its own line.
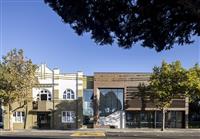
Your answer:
<point x="88" y="134"/>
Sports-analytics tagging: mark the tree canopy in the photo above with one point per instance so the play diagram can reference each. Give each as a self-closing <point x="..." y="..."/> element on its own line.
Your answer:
<point x="170" y="81"/>
<point x="192" y="85"/>
<point x="157" y="24"/>
<point x="17" y="78"/>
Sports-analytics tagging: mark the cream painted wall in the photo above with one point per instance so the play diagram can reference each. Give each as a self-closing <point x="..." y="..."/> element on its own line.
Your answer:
<point x="62" y="81"/>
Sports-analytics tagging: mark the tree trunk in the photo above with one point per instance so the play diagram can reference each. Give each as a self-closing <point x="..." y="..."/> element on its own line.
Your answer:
<point x="10" y="117"/>
<point x="25" y="114"/>
<point x="163" y="119"/>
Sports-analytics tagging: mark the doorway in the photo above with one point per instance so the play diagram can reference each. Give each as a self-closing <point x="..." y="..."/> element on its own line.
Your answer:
<point x="43" y="120"/>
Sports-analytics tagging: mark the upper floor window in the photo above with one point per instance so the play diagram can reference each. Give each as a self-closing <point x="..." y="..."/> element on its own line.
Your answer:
<point x="44" y="95"/>
<point x="68" y="94"/>
<point x="18" y="117"/>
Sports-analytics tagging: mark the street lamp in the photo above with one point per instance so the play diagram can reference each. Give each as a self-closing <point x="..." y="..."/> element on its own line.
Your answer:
<point x="53" y="83"/>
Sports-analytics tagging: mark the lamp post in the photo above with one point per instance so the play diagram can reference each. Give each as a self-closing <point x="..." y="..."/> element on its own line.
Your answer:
<point x="53" y="100"/>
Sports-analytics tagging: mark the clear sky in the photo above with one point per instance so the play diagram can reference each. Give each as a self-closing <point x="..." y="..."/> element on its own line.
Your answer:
<point x="39" y="31"/>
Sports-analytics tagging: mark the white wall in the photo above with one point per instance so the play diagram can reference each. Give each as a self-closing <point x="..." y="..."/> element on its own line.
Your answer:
<point x="66" y="84"/>
<point x="62" y="81"/>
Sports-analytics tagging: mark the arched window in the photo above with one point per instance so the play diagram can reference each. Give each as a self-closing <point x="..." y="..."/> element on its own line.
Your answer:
<point x="44" y="95"/>
<point x="68" y="94"/>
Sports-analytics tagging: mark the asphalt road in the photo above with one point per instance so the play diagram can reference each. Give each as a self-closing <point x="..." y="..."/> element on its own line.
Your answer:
<point x="133" y="137"/>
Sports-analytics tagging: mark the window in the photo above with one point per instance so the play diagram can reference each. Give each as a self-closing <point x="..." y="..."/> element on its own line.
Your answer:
<point x="44" y="95"/>
<point x="18" y="117"/>
<point x="111" y="100"/>
<point x="68" y="117"/>
<point x="68" y="94"/>
<point x="88" y="102"/>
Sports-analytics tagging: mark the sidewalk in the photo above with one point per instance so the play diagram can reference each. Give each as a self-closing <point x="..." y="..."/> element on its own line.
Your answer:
<point x="107" y="130"/>
<point x="103" y="132"/>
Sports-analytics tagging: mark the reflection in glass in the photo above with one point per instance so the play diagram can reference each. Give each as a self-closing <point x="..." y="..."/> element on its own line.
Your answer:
<point x="88" y="107"/>
<point x="87" y="102"/>
<point x="111" y="100"/>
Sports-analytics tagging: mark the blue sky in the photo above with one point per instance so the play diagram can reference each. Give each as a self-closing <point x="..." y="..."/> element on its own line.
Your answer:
<point x="34" y="27"/>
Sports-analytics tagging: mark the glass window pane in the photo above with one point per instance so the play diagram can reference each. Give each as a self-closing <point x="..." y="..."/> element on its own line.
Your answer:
<point x="18" y="113"/>
<point x="111" y="100"/>
<point x="14" y="114"/>
<point x="43" y="96"/>
<point x="68" y="95"/>
<point x="64" y="113"/>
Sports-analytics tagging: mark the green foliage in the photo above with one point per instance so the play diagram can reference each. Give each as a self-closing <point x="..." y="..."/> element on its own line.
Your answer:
<point x="17" y="77"/>
<point x="156" y="24"/>
<point x="167" y="82"/>
<point x="173" y="81"/>
<point x="143" y="94"/>
<point x="193" y="83"/>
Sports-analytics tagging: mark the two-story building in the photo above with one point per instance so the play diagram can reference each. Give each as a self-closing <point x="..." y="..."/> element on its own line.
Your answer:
<point x="55" y="103"/>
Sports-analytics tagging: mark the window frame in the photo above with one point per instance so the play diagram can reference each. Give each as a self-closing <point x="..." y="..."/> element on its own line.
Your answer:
<point x="69" y="94"/>
<point x="44" y="92"/>
<point x="18" y="117"/>
<point x="68" y="117"/>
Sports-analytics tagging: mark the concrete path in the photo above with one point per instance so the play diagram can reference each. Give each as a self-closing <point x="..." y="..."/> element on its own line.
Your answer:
<point x="128" y="133"/>
<point x="108" y="130"/>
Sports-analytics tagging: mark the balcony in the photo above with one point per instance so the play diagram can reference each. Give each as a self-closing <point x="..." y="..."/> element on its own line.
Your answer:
<point x="42" y="106"/>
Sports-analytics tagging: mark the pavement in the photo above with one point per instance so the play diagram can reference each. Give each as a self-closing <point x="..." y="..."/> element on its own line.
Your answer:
<point x="108" y="130"/>
<point x="125" y="130"/>
<point x="137" y="133"/>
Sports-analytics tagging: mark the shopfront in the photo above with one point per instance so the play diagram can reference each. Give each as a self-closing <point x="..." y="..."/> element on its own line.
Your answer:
<point x="153" y="119"/>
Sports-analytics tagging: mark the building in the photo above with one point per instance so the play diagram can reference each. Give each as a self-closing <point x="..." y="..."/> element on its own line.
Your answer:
<point x="56" y="102"/>
<point x="116" y="105"/>
<point x="107" y="99"/>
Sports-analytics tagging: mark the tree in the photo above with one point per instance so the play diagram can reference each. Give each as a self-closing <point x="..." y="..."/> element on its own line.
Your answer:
<point x="193" y="92"/>
<point x="155" y="23"/>
<point x="192" y="84"/>
<point x="166" y="83"/>
<point x="143" y="94"/>
<point x="17" y="77"/>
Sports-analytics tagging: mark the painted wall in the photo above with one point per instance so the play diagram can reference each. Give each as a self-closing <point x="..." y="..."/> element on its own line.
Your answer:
<point x="62" y="81"/>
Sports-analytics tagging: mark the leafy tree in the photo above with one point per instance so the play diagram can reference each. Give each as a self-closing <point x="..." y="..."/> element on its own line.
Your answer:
<point x="192" y="85"/>
<point x="155" y="23"/>
<point x="193" y="92"/>
<point x="17" y="77"/>
<point x="167" y="82"/>
<point x="143" y="94"/>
